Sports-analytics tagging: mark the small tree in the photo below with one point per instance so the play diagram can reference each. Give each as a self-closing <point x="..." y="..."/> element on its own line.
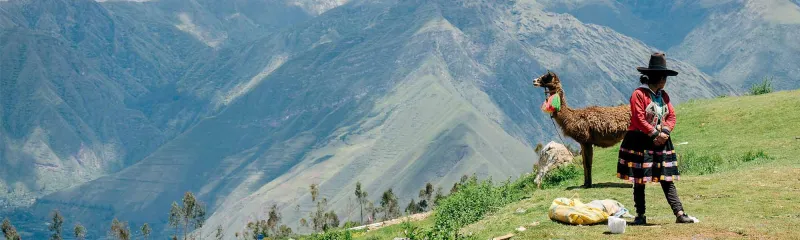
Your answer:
<point x="145" y="231"/>
<point x="284" y="231"/>
<point x="56" y="225"/>
<point x="389" y="204"/>
<point x="79" y="232"/>
<point x="303" y="222"/>
<point x="193" y="214"/>
<point x="412" y="207"/>
<point x="256" y="229"/>
<point x="425" y="195"/>
<point x="372" y="210"/>
<point x="274" y="219"/>
<point x="460" y="183"/>
<point x="220" y="234"/>
<point x="314" y="189"/>
<point x="361" y="197"/>
<point x="318" y="217"/>
<point x="331" y="221"/>
<point x="175" y="215"/>
<point x="9" y="231"/>
<point x="120" y="230"/>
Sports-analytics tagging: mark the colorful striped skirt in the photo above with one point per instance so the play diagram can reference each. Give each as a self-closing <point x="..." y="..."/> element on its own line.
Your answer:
<point x="640" y="161"/>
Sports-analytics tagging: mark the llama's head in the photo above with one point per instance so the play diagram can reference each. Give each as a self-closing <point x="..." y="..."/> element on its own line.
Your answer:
<point x="549" y="81"/>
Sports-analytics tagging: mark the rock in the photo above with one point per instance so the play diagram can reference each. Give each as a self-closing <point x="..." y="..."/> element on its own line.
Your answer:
<point x="520" y="210"/>
<point x="533" y="224"/>
<point x="504" y="237"/>
<point x="551" y="156"/>
<point x="521" y="229"/>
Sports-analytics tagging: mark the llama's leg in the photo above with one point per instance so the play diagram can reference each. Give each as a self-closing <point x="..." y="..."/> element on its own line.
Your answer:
<point x="587" y="153"/>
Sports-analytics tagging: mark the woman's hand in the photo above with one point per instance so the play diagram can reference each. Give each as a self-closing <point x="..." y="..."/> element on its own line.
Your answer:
<point x="661" y="139"/>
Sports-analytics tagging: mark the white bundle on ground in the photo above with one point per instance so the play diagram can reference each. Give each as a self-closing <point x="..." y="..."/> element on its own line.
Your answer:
<point x="551" y="156"/>
<point x="616" y="225"/>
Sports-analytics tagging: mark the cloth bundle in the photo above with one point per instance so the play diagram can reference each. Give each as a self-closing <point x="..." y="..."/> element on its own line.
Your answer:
<point x="575" y="212"/>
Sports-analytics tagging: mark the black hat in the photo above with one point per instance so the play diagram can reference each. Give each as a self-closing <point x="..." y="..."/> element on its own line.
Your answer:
<point x="658" y="64"/>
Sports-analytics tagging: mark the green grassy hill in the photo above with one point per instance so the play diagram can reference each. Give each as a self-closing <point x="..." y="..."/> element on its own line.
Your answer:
<point x="741" y="178"/>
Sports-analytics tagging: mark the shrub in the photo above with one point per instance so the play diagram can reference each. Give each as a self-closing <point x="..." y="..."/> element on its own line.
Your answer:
<point x="560" y="175"/>
<point x="762" y="88"/>
<point x="351" y="224"/>
<point x="473" y="200"/>
<point x="332" y="235"/>
<point x="410" y="231"/>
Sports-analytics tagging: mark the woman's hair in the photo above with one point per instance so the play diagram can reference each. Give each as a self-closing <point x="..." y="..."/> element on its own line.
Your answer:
<point x="650" y="79"/>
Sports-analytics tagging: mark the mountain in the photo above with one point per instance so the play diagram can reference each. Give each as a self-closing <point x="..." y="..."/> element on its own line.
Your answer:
<point x="89" y="88"/>
<point x="390" y="93"/>
<point x="72" y="72"/>
<point x="736" y="41"/>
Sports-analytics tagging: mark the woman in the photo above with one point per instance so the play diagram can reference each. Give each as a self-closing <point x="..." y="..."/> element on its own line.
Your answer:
<point x="647" y="154"/>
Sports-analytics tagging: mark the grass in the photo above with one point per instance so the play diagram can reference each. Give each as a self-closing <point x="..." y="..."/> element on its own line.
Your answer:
<point x="740" y="177"/>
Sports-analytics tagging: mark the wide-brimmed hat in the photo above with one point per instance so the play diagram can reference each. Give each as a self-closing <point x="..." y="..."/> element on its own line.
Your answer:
<point x="657" y="65"/>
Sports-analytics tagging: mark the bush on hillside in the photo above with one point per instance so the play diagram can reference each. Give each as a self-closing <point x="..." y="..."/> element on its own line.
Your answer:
<point x="332" y="235"/>
<point x="473" y="200"/>
<point x="560" y="175"/>
<point x="762" y="88"/>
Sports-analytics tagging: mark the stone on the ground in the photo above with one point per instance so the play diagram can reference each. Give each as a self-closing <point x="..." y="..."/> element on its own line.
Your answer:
<point x="521" y="229"/>
<point x="551" y="156"/>
<point x="504" y="237"/>
<point x="520" y="210"/>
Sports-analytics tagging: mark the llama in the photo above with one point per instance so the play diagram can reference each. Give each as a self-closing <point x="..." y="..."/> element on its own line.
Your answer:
<point x="591" y="126"/>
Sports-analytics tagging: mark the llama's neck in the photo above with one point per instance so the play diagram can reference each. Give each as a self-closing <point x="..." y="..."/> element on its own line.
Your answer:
<point x="562" y="97"/>
<point x="565" y="111"/>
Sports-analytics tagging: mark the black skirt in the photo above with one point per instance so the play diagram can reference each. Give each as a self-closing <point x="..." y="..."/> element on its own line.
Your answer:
<point x="640" y="161"/>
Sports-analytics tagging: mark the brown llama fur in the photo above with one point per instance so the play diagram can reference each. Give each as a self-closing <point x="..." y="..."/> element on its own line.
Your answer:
<point x="591" y="126"/>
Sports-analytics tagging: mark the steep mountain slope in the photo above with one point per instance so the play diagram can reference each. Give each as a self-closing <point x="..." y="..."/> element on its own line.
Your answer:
<point x="737" y="41"/>
<point x="88" y="88"/>
<point x="393" y="94"/>
<point x="70" y="76"/>
<point x="662" y="24"/>
<point x="745" y="44"/>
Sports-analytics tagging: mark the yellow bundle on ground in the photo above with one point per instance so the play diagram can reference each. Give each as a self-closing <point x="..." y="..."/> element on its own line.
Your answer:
<point x="575" y="212"/>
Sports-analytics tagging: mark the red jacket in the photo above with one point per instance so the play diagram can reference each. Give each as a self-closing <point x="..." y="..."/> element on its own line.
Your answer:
<point x="639" y="101"/>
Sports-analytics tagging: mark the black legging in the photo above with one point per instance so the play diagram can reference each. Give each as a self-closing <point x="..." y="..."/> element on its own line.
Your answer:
<point x="669" y="191"/>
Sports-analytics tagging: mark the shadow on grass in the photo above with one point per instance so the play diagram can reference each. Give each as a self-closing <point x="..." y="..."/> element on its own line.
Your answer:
<point x="604" y="185"/>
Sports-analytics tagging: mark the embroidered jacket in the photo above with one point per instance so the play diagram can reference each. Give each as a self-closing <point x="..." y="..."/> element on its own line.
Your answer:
<point x="650" y="110"/>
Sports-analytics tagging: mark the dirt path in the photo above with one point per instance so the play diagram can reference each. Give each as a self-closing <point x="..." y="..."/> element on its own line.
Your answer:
<point x="378" y="225"/>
